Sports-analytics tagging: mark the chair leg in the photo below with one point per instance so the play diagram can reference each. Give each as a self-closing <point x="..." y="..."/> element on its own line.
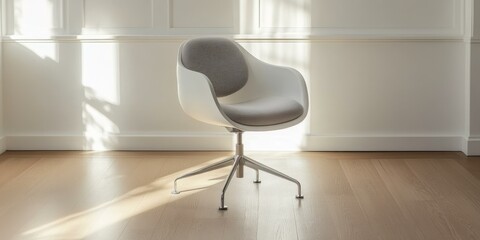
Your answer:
<point x="259" y="166"/>
<point x="211" y="167"/>
<point x="238" y="159"/>
<point x="257" y="176"/>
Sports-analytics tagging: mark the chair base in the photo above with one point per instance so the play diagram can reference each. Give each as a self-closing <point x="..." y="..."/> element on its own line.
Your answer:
<point x="239" y="160"/>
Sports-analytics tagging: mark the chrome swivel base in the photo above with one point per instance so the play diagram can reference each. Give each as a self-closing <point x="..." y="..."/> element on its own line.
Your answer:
<point x="239" y="161"/>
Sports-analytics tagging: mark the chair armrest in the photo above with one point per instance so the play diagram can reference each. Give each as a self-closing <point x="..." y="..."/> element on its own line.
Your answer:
<point x="197" y="97"/>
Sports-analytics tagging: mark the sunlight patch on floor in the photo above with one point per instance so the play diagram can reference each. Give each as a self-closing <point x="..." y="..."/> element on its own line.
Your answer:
<point x="132" y="203"/>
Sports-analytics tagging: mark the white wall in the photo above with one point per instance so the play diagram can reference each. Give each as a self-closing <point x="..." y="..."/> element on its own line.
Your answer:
<point x="3" y="146"/>
<point x="472" y="79"/>
<point x="387" y="76"/>
<point x="2" y="132"/>
<point x="473" y="135"/>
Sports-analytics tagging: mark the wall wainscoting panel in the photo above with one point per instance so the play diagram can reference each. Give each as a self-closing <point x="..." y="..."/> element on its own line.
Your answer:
<point x="344" y="17"/>
<point x="399" y="18"/>
<point x="201" y="17"/>
<point x="118" y="13"/>
<point x="201" y="13"/>
<point x="128" y="17"/>
<point x="359" y="15"/>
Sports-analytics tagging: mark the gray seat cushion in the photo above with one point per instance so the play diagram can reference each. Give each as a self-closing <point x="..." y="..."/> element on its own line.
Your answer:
<point x="264" y="111"/>
<point x="220" y="60"/>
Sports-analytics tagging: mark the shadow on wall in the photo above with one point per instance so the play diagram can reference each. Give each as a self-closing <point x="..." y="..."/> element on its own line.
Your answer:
<point x="99" y="76"/>
<point x="79" y="89"/>
<point x="95" y="86"/>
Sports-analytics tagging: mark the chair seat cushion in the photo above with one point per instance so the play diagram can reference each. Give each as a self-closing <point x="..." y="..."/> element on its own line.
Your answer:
<point x="264" y="111"/>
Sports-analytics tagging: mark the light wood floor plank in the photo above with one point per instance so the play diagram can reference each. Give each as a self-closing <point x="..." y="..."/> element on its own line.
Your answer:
<point x="36" y="202"/>
<point x="330" y="210"/>
<point x="382" y="211"/>
<point x="276" y="217"/>
<point x="348" y="217"/>
<point x="13" y="168"/>
<point x="415" y="199"/>
<point x="154" y="198"/>
<point x="471" y="164"/>
<point x="449" y="183"/>
<point x="179" y="213"/>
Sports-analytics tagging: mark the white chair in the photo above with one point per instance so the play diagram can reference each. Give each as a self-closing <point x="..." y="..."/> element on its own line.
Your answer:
<point x="220" y="83"/>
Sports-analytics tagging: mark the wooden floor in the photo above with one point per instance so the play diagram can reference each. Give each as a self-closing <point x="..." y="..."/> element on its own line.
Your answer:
<point x="126" y="195"/>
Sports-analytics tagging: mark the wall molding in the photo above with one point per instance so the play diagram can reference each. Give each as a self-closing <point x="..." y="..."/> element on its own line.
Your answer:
<point x="222" y="142"/>
<point x="240" y="38"/>
<point x="162" y="15"/>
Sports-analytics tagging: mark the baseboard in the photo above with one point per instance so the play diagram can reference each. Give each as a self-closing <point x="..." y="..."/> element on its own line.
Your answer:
<point x="164" y="142"/>
<point x="384" y="143"/>
<point x="222" y="142"/>
<point x="471" y="146"/>
<point x="3" y="144"/>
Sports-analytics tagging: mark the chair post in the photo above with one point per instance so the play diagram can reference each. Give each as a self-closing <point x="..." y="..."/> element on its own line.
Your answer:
<point x="239" y="153"/>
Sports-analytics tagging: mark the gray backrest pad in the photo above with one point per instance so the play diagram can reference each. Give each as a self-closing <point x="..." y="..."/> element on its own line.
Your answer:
<point x="220" y="60"/>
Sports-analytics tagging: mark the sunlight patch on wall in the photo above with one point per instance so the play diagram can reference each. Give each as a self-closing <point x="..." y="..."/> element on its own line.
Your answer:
<point x="297" y="56"/>
<point x="100" y="71"/>
<point x="275" y="16"/>
<point x="100" y="80"/>
<point x="99" y="130"/>
<point x="272" y="17"/>
<point x="290" y="139"/>
<point x="37" y="16"/>
<point x="285" y="13"/>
